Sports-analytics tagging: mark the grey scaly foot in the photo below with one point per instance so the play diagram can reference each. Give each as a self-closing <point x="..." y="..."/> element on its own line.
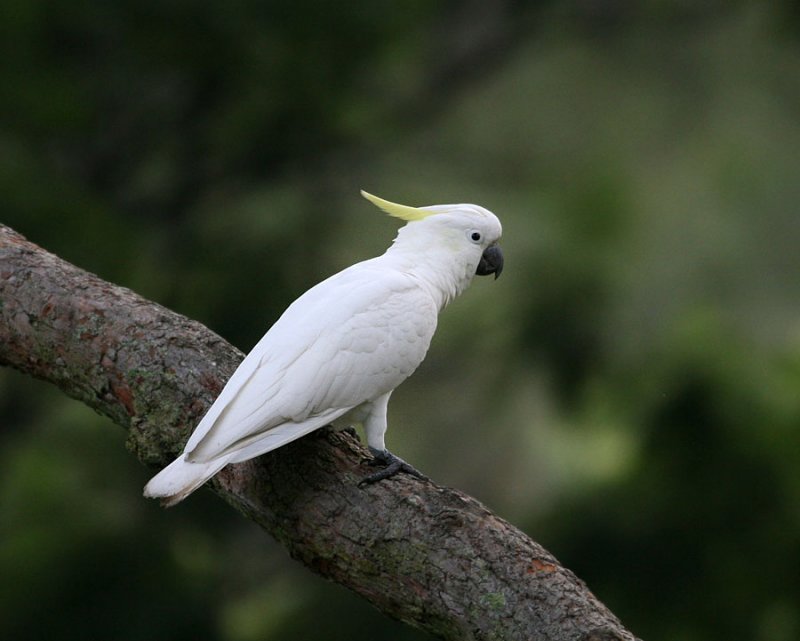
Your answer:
<point x="392" y="465"/>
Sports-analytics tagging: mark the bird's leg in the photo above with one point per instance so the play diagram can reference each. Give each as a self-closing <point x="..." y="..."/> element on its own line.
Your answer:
<point x="392" y="465"/>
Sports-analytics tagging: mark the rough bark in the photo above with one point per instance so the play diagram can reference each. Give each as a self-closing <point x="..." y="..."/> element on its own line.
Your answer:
<point x="427" y="555"/>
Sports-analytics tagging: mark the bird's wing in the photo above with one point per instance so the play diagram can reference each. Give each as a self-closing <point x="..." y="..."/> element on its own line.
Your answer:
<point x="348" y="340"/>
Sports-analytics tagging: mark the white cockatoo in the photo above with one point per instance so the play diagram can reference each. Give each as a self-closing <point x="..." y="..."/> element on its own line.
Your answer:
<point x="338" y="352"/>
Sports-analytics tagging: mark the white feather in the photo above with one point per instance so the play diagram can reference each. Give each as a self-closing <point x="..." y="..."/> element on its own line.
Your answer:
<point x="344" y="344"/>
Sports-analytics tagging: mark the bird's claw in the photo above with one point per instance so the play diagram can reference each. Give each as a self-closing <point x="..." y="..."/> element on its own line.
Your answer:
<point x="392" y="465"/>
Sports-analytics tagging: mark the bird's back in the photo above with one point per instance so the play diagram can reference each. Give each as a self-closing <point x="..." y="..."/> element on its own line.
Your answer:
<point x="346" y="341"/>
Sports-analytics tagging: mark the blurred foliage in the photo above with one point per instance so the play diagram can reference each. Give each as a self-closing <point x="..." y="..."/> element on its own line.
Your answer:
<point x="627" y="392"/>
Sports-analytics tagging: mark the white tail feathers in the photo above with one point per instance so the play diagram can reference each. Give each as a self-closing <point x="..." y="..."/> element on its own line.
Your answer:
<point x="180" y="478"/>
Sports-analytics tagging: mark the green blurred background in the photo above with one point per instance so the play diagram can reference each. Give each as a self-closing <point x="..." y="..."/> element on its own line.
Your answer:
<point x="627" y="392"/>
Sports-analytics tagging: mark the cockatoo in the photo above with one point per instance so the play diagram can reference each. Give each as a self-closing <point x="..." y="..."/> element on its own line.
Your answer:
<point x="339" y="351"/>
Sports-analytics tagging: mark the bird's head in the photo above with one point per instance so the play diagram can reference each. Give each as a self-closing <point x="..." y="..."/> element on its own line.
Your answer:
<point x="467" y="234"/>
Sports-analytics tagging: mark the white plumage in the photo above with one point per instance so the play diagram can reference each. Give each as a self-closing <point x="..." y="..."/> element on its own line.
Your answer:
<point x="340" y="349"/>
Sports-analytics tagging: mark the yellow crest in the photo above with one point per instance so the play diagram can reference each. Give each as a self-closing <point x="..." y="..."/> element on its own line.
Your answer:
<point x="403" y="212"/>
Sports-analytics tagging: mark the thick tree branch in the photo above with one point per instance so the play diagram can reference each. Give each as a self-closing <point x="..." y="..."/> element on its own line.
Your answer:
<point x="427" y="555"/>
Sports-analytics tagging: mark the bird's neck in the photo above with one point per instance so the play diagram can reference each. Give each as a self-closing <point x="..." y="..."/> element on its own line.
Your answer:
<point x="442" y="274"/>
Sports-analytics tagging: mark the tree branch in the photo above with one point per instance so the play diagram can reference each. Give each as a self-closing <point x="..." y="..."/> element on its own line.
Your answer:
<point x="427" y="555"/>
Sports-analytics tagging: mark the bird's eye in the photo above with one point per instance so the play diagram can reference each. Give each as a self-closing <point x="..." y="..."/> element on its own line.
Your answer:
<point x="474" y="236"/>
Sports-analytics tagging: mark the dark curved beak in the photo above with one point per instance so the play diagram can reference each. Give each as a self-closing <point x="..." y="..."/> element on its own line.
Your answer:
<point x="491" y="262"/>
